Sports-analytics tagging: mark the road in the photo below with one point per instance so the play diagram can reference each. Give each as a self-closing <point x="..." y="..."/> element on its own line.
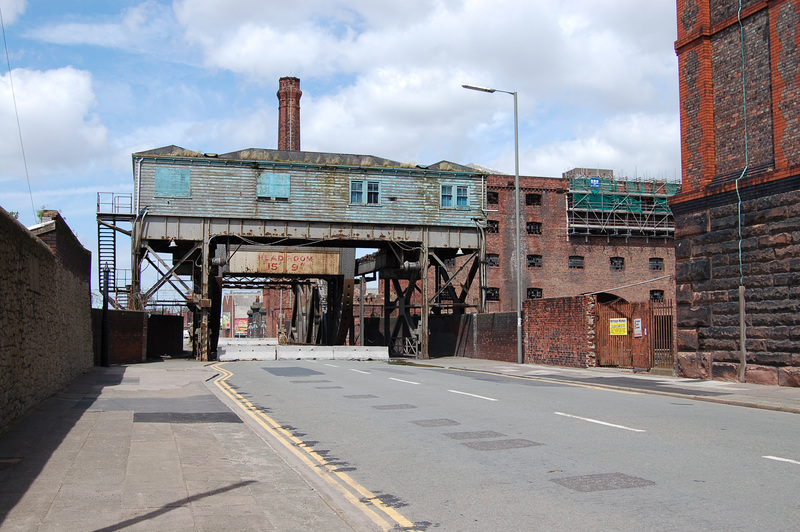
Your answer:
<point x="415" y="448"/>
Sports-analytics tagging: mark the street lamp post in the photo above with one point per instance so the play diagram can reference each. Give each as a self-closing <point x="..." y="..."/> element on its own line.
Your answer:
<point x="518" y="267"/>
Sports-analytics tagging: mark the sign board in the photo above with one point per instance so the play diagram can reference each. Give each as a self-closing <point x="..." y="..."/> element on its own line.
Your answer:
<point x="285" y="262"/>
<point x="241" y="326"/>
<point x="637" y="327"/>
<point x="618" y="326"/>
<point x="594" y="182"/>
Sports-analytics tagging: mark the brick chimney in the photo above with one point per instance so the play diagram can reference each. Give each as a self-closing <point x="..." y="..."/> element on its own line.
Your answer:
<point x="289" y="114"/>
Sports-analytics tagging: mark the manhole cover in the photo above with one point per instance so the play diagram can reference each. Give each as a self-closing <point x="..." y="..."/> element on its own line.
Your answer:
<point x="603" y="482"/>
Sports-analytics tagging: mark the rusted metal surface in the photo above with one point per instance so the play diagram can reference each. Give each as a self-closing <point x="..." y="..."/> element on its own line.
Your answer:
<point x="647" y="338"/>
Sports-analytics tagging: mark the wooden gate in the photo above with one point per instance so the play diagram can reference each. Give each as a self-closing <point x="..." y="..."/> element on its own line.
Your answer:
<point x="635" y="335"/>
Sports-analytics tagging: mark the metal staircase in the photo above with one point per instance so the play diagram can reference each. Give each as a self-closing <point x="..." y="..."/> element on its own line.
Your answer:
<point x="112" y="209"/>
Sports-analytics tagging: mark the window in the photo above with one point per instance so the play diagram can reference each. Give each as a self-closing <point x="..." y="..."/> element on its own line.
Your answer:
<point x="617" y="264"/>
<point x="534" y="293"/>
<point x="356" y="192"/>
<point x="492" y="226"/>
<point x="533" y="199"/>
<point x="447" y="195"/>
<point x="492" y="259"/>
<point x="373" y="195"/>
<point x="492" y="294"/>
<point x="450" y="262"/>
<point x="534" y="261"/>
<point x="576" y="262"/>
<point x="492" y="198"/>
<point x="656" y="295"/>
<point x="656" y="264"/>
<point x="273" y="186"/>
<point x="533" y="228"/>
<point x="373" y="192"/>
<point x="462" y="200"/>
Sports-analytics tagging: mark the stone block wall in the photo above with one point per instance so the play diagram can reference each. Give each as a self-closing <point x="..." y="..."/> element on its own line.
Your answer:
<point x="45" y="322"/>
<point x="560" y="331"/>
<point x="708" y="276"/>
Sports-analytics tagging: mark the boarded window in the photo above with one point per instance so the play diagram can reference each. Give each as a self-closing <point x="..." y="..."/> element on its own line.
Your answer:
<point x="656" y="264"/>
<point x="492" y="259"/>
<point x="492" y="226"/>
<point x="534" y="261"/>
<point x="617" y="264"/>
<point x="533" y="228"/>
<point x="534" y="293"/>
<point x="271" y="185"/>
<point x="575" y="262"/>
<point x="173" y="182"/>
<point x="492" y="294"/>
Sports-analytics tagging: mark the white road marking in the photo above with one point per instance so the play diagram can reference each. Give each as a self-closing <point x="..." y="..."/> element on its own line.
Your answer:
<point x="401" y="380"/>
<point x="473" y="395"/>
<point x="359" y="371"/>
<point x="332" y="365"/>
<point x="779" y="459"/>
<point x="600" y="422"/>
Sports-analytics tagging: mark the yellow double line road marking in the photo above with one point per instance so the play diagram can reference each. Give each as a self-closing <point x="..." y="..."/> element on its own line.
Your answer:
<point x="342" y="482"/>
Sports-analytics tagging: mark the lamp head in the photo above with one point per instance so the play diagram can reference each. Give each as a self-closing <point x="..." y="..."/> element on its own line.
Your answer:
<point x="476" y="88"/>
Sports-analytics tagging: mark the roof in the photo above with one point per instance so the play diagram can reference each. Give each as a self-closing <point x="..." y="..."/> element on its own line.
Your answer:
<point x="309" y="157"/>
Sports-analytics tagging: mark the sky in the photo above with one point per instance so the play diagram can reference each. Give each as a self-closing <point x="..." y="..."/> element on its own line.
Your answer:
<point x="95" y="81"/>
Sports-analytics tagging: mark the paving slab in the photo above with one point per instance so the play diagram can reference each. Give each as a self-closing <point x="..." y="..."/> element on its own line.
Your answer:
<point x="150" y="447"/>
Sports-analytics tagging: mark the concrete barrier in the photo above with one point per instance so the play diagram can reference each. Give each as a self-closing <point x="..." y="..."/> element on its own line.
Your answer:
<point x="232" y="349"/>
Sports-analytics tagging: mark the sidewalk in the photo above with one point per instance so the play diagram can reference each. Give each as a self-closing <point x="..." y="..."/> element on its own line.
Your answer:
<point x="780" y="398"/>
<point x="150" y="447"/>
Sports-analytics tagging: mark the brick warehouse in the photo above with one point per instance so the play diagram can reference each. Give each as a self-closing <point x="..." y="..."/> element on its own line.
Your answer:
<point x="738" y="215"/>
<point x="567" y="250"/>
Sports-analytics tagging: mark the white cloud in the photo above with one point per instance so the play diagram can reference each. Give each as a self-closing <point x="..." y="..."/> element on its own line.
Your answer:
<point x="631" y="145"/>
<point x="58" y="127"/>
<point x="11" y="10"/>
<point x="147" y="26"/>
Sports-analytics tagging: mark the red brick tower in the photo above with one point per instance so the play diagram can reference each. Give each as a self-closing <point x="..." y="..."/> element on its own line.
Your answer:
<point x="289" y="94"/>
<point x="737" y="220"/>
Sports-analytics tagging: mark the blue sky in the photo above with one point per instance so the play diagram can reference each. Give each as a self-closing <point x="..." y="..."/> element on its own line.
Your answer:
<point x="96" y="81"/>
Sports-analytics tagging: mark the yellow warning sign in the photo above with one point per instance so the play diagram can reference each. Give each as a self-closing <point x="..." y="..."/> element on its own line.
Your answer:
<point x="619" y="326"/>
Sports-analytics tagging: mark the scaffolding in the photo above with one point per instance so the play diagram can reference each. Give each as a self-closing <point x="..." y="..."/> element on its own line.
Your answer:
<point x="600" y="205"/>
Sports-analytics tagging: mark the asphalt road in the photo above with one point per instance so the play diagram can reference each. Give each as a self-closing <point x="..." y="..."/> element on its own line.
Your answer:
<point x="429" y="449"/>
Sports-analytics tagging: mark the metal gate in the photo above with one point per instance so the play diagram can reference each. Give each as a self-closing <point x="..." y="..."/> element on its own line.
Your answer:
<point x="635" y="335"/>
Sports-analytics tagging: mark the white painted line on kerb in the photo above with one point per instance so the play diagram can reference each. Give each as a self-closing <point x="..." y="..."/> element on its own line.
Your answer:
<point x="359" y="371"/>
<point x="779" y="459"/>
<point x="473" y="395"/>
<point x="401" y="380"/>
<point x="599" y="422"/>
<point x="332" y="365"/>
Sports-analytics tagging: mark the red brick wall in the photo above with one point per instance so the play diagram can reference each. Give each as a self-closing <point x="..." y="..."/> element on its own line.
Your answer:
<point x="127" y="342"/>
<point x="555" y="278"/>
<point x="560" y="332"/>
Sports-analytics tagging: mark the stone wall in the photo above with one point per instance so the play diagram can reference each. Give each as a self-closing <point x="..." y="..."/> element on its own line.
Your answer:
<point x="45" y="322"/>
<point x="708" y="277"/>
